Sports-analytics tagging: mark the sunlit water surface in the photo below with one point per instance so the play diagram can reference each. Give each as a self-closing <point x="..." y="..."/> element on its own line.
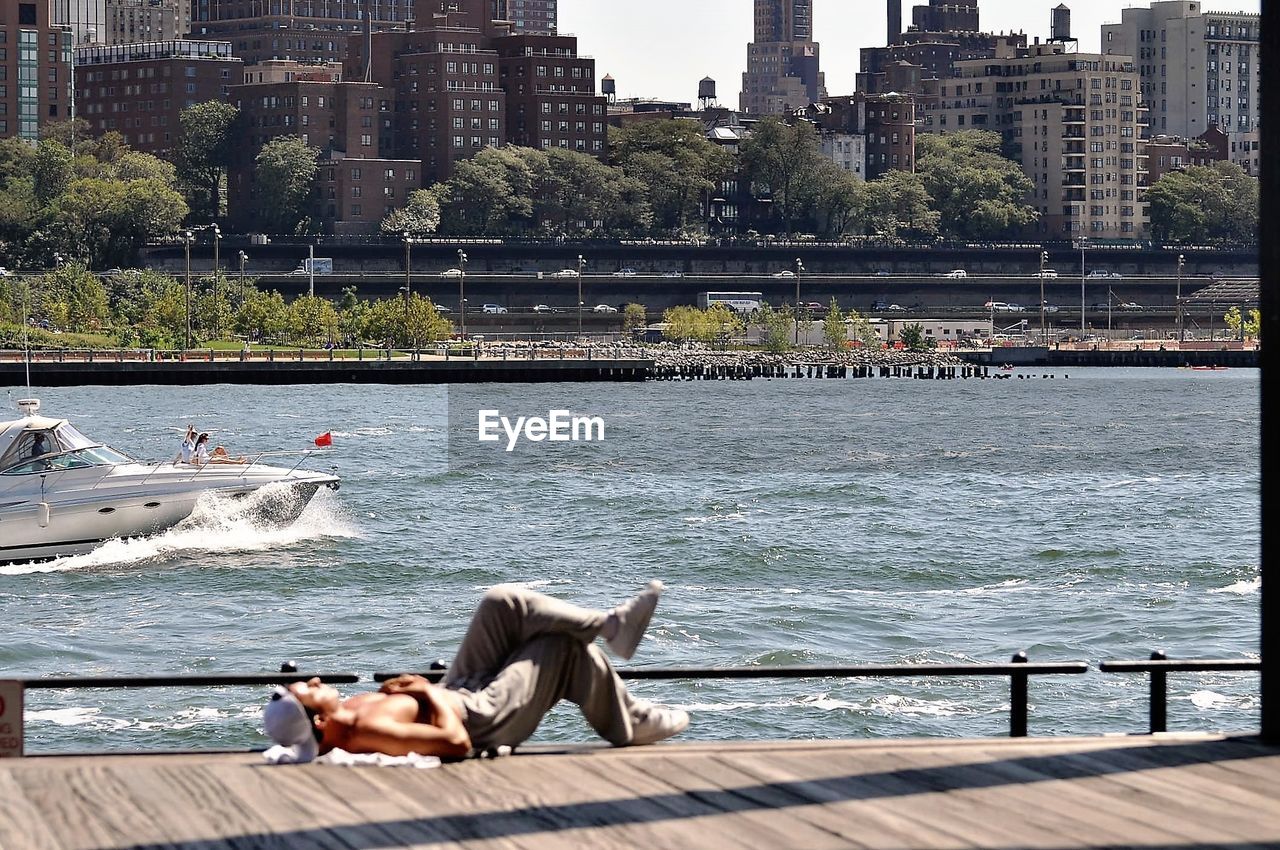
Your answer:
<point x="1100" y="515"/>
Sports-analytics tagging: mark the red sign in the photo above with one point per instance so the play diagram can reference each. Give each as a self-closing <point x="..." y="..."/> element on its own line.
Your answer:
<point x="10" y="719"/>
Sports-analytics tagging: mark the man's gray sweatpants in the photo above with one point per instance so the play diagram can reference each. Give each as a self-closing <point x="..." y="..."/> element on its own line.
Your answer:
<point x="523" y="653"/>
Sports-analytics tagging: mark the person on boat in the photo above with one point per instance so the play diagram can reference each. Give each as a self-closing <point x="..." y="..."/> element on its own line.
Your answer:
<point x="40" y="445"/>
<point x="188" y="445"/>
<point x="523" y="652"/>
<point x="219" y="455"/>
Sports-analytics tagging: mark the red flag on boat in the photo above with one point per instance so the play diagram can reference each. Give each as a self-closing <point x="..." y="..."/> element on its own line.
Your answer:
<point x="325" y="439"/>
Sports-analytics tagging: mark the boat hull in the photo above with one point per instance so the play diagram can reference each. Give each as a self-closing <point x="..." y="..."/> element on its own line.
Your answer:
<point x="35" y="531"/>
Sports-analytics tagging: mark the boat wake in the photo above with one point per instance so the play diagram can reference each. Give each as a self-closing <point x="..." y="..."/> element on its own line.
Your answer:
<point x="218" y="525"/>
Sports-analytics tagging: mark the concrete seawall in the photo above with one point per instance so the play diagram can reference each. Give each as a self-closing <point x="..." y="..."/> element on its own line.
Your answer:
<point x="1061" y="358"/>
<point x="455" y="371"/>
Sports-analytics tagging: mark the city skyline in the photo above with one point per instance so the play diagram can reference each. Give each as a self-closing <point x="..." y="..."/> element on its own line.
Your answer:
<point x="621" y="35"/>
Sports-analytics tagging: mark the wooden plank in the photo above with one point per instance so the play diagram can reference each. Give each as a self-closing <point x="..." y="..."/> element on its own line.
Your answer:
<point x="21" y="823"/>
<point x="1112" y="809"/>
<point x="850" y="796"/>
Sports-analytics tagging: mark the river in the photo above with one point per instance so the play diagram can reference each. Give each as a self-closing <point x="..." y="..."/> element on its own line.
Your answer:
<point x="1100" y="514"/>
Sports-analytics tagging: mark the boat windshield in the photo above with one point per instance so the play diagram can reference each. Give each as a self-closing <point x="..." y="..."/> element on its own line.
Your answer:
<point x="80" y="459"/>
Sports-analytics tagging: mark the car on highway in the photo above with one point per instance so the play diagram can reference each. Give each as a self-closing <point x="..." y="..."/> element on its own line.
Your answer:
<point x="1015" y="308"/>
<point x="883" y="272"/>
<point x="565" y="273"/>
<point x="1129" y="305"/>
<point x="4" y="272"/>
<point x="996" y="306"/>
<point x="673" y="273"/>
<point x="1104" y="273"/>
<point x="813" y="305"/>
<point x="541" y="308"/>
<point x="956" y="273"/>
<point x="1050" y="308"/>
<point x="451" y="273"/>
<point x="625" y="273"/>
<point x="604" y="308"/>
<point x="493" y="309"/>
<point x="784" y="273"/>
<point x="1047" y="273"/>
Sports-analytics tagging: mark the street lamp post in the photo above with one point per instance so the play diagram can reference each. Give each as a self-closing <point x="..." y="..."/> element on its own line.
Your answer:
<point x="243" y="258"/>
<point x="1044" y="336"/>
<point x="405" y="290"/>
<point x="462" y="289"/>
<point x="581" y="265"/>
<point x="1110" y="297"/>
<point x="186" y="243"/>
<point x="1178" y="298"/>
<point x="799" y="269"/>
<point x="217" y="307"/>
<point x="1084" y="243"/>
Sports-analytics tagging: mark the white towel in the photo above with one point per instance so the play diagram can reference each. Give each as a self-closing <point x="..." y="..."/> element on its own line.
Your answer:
<point x="342" y="758"/>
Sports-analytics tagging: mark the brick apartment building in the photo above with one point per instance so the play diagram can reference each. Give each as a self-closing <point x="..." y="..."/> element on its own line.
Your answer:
<point x="302" y="30"/>
<point x="551" y="94"/>
<point x="1172" y="153"/>
<point x="358" y="184"/>
<point x="35" y="69"/>
<point x="1077" y="125"/>
<point x="140" y="90"/>
<point x="882" y="127"/>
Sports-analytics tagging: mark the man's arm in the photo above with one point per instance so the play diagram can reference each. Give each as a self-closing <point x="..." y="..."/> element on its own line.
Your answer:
<point x="398" y="738"/>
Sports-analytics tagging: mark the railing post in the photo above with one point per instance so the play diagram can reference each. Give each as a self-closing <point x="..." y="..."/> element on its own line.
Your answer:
<point x="11" y="708"/>
<point x="1159" y="701"/>
<point x="1018" y="699"/>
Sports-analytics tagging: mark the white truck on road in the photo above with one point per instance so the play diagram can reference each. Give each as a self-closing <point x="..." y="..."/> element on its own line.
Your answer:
<point x="315" y="265"/>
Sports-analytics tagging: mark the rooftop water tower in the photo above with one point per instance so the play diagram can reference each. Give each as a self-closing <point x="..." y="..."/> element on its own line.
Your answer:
<point x="1060" y="24"/>
<point x="609" y="88"/>
<point x="706" y="93"/>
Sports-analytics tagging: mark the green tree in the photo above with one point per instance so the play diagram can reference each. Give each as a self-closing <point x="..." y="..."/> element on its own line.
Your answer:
<point x="785" y="162"/>
<point x="205" y="147"/>
<point x="863" y="331"/>
<point x="898" y="204"/>
<point x="634" y="317"/>
<point x="491" y="194"/>
<point x="1253" y="325"/>
<point x="106" y="222"/>
<point x="834" y="328"/>
<point x="978" y="192"/>
<point x="1213" y="203"/>
<point x="262" y="316"/>
<point x="284" y="174"/>
<point x="775" y="327"/>
<point x="678" y="166"/>
<point x="912" y="337"/>
<point x="684" y="323"/>
<point x="577" y="193"/>
<point x="420" y="216"/>
<point x="71" y="298"/>
<point x="841" y="200"/>
<point x="52" y="170"/>
<point x="416" y="322"/>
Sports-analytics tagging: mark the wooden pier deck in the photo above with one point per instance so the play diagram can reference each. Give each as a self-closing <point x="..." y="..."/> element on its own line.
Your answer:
<point x="1201" y="792"/>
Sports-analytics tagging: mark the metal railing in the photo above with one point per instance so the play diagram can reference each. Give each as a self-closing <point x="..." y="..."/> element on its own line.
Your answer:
<point x="1019" y="671"/>
<point x="1160" y="666"/>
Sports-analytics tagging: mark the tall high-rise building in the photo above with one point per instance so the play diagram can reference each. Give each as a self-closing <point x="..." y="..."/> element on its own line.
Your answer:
<point x="946" y="16"/>
<point x="783" y="69"/>
<point x="35" y="69"/>
<point x="87" y="19"/>
<point x="1199" y="68"/>
<point x="1077" y="124"/>
<point x="134" y="21"/>
<point x="528" y="15"/>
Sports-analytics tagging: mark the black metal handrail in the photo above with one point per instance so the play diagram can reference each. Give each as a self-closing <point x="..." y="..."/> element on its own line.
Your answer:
<point x="215" y="680"/>
<point x="1159" y="665"/>
<point x="1019" y="670"/>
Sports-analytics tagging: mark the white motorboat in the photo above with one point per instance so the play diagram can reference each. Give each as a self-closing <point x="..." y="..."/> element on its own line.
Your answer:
<point x="62" y="493"/>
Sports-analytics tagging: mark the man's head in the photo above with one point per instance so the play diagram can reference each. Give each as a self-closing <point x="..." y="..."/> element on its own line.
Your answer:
<point x="295" y="717"/>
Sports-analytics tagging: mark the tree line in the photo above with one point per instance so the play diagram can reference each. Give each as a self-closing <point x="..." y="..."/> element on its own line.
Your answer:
<point x="149" y="309"/>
